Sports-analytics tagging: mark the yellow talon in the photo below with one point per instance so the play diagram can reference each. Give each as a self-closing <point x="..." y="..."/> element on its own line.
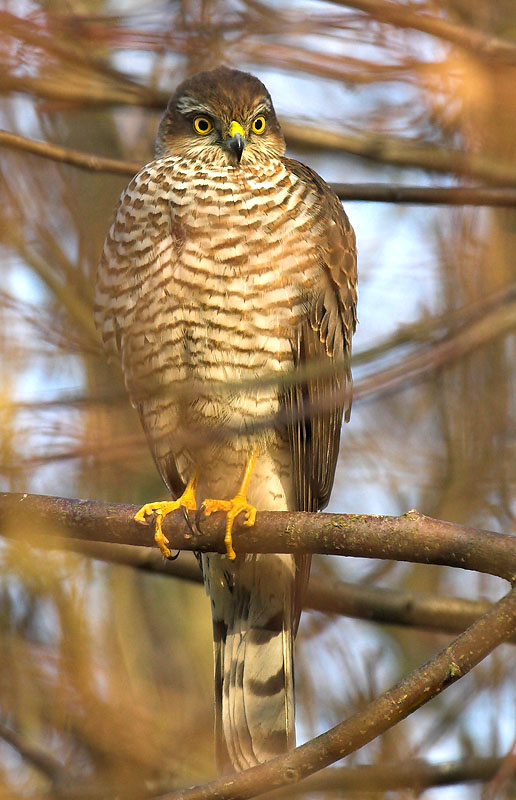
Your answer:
<point x="162" y="508"/>
<point x="234" y="507"/>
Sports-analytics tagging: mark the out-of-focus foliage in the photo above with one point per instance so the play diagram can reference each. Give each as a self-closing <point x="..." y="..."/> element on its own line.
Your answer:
<point x="105" y="674"/>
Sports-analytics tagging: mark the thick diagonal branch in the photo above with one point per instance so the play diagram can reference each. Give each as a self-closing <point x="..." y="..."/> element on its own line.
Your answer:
<point x="378" y="716"/>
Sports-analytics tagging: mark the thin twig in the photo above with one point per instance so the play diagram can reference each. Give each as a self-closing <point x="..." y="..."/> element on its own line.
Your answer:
<point x="32" y="754"/>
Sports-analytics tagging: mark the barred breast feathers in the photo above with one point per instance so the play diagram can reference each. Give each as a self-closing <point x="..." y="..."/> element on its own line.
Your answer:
<point x="176" y="222"/>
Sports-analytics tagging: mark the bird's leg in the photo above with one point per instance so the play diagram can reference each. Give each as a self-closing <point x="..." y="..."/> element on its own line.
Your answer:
<point x="234" y="506"/>
<point x="162" y="508"/>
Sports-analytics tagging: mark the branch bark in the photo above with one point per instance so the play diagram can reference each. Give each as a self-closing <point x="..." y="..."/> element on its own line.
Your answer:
<point x="411" y="537"/>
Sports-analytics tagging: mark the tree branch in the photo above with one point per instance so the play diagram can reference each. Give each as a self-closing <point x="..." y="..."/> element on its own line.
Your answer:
<point x="425" y="195"/>
<point x="411" y="537"/>
<point x="414" y="774"/>
<point x="32" y="754"/>
<point x="66" y="155"/>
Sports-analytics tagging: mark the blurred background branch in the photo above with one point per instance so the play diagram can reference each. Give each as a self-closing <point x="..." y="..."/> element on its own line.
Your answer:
<point x="368" y="192"/>
<point x="416" y="16"/>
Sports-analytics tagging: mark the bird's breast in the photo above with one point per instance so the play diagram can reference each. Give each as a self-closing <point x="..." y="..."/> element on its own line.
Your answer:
<point x="244" y="269"/>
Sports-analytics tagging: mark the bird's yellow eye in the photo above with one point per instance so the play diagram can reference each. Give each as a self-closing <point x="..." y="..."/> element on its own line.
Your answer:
<point x="203" y="125"/>
<point x="258" y="125"/>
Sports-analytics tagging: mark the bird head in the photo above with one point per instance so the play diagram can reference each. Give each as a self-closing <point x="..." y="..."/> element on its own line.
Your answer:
<point x="221" y="117"/>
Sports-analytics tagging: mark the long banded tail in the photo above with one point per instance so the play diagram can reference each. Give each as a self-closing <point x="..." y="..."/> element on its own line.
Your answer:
<point x="254" y="622"/>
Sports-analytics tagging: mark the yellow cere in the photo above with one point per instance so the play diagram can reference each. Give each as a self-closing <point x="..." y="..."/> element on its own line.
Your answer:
<point x="235" y="128"/>
<point x="203" y="125"/>
<point x="258" y="125"/>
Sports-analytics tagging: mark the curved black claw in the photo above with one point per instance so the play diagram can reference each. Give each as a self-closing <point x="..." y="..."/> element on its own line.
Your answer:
<point x="198" y="518"/>
<point x="173" y="558"/>
<point x="195" y="531"/>
<point x="187" y="519"/>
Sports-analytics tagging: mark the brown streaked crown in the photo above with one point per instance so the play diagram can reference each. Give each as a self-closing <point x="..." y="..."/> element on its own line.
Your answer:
<point x="223" y="95"/>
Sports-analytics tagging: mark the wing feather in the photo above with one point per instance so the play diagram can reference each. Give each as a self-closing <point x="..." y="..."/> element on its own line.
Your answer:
<point x="322" y="349"/>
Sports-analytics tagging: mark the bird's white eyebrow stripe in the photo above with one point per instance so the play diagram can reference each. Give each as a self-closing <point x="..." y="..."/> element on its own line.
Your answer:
<point x="187" y="104"/>
<point x="264" y="106"/>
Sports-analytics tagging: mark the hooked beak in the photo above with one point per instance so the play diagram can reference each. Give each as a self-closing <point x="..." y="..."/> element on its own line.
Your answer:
<point x="235" y="140"/>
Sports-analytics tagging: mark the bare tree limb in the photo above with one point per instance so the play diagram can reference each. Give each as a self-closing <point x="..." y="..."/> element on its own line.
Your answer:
<point x="411" y="537"/>
<point x="66" y="155"/>
<point x="425" y="195"/>
<point x="394" y="606"/>
<point x="32" y="754"/>
<point x="94" y="94"/>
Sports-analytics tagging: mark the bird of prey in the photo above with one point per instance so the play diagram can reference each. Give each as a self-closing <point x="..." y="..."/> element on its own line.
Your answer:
<point x="227" y="289"/>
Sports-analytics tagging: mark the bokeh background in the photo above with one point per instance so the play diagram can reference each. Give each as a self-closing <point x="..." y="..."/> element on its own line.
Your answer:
<point x="107" y="670"/>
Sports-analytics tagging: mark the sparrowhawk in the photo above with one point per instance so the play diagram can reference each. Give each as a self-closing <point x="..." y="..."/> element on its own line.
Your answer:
<point x="227" y="289"/>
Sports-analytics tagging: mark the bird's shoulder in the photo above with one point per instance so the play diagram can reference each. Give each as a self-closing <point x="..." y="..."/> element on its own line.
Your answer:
<point x="337" y="243"/>
<point x="322" y="190"/>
